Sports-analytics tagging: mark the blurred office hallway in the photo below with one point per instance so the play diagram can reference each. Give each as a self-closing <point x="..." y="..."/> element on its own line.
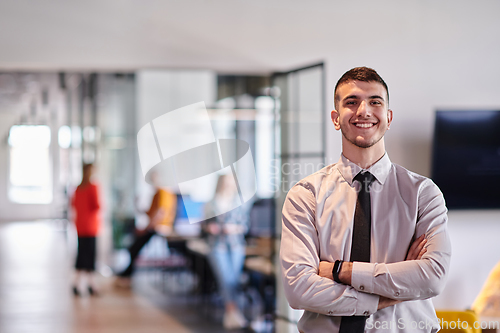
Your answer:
<point x="80" y="79"/>
<point x="35" y="295"/>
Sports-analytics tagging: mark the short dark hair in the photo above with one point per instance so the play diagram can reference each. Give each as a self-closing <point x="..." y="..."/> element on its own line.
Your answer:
<point x="363" y="74"/>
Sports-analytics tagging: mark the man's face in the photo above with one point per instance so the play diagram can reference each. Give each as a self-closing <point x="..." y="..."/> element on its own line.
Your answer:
<point x="362" y="113"/>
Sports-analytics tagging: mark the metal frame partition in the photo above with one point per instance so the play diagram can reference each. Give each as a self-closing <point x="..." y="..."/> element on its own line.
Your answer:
<point x="300" y="145"/>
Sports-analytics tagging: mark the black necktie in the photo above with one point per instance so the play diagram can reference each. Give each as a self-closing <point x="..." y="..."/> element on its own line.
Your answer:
<point x="360" y="247"/>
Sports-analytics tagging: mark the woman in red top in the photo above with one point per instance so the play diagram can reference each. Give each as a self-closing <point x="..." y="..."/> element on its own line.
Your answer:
<point x="87" y="207"/>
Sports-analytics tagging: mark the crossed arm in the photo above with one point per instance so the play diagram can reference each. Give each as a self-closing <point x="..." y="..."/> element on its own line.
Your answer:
<point x="415" y="252"/>
<point x="366" y="287"/>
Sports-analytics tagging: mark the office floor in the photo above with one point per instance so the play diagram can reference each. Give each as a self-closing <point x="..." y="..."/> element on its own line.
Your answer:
<point x="35" y="293"/>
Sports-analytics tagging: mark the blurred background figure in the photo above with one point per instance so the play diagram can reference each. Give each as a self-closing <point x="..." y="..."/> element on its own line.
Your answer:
<point x="161" y="215"/>
<point x="226" y="238"/>
<point x="86" y="204"/>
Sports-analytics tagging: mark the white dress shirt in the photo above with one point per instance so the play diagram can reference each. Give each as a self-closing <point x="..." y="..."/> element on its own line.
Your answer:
<point x="318" y="216"/>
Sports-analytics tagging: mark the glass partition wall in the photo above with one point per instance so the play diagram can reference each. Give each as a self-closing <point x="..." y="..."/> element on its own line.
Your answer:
<point x="300" y="151"/>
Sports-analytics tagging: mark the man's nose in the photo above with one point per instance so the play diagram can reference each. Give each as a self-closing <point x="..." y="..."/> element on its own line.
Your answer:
<point x="363" y="109"/>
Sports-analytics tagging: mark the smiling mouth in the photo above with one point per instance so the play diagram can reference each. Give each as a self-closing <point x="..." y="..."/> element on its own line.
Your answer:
<point x="364" y="125"/>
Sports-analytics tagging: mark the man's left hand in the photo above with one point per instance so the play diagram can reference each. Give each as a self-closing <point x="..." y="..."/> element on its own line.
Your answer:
<point x="417" y="249"/>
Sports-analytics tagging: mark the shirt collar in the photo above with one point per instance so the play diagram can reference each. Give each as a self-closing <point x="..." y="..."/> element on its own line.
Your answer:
<point x="349" y="169"/>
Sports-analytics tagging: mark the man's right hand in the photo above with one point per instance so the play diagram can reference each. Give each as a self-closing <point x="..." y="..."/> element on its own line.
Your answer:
<point x="385" y="302"/>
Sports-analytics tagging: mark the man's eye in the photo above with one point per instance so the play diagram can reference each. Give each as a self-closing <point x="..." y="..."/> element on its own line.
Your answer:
<point x="376" y="103"/>
<point x="350" y="102"/>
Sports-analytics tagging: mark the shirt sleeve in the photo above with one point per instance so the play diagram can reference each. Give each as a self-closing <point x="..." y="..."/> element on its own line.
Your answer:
<point x="304" y="288"/>
<point x="413" y="279"/>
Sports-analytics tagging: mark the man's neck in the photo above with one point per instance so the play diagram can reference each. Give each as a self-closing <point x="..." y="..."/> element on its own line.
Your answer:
<point x="363" y="157"/>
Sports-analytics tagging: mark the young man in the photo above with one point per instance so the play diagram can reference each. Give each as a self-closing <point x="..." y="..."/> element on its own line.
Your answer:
<point x="364" y="244"/>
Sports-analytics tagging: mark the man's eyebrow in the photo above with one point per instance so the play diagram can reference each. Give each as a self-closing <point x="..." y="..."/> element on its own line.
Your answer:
<point x="357" y="97"/>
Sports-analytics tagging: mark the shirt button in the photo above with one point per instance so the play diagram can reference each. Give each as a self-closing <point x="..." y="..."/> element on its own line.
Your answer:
<point x="397" y="293"/>
<point x="330" y="312"/>
<point x="366" y="313"/>
<point x="361" y="287"/>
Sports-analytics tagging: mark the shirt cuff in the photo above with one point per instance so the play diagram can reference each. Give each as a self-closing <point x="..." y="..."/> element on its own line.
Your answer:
<point x="367" y="304"/>
<point x="362" y="276"/>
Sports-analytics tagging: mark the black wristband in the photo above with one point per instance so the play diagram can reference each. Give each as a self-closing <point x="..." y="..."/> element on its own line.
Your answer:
<point x="336" y="270"/>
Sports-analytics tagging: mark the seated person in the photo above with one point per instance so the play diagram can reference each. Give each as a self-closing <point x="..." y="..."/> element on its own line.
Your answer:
<point x="161" y="215"/>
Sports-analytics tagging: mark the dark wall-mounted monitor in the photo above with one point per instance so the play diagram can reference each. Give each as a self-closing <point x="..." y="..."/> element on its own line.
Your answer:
<point x="466" y="158"/>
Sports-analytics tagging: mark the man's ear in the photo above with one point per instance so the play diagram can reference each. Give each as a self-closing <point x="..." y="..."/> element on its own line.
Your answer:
<point x="336" y="119"/>
<point x="389" y="118"/>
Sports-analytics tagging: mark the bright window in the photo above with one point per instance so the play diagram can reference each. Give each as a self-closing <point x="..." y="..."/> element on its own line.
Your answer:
<point x="30" y="166"/>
